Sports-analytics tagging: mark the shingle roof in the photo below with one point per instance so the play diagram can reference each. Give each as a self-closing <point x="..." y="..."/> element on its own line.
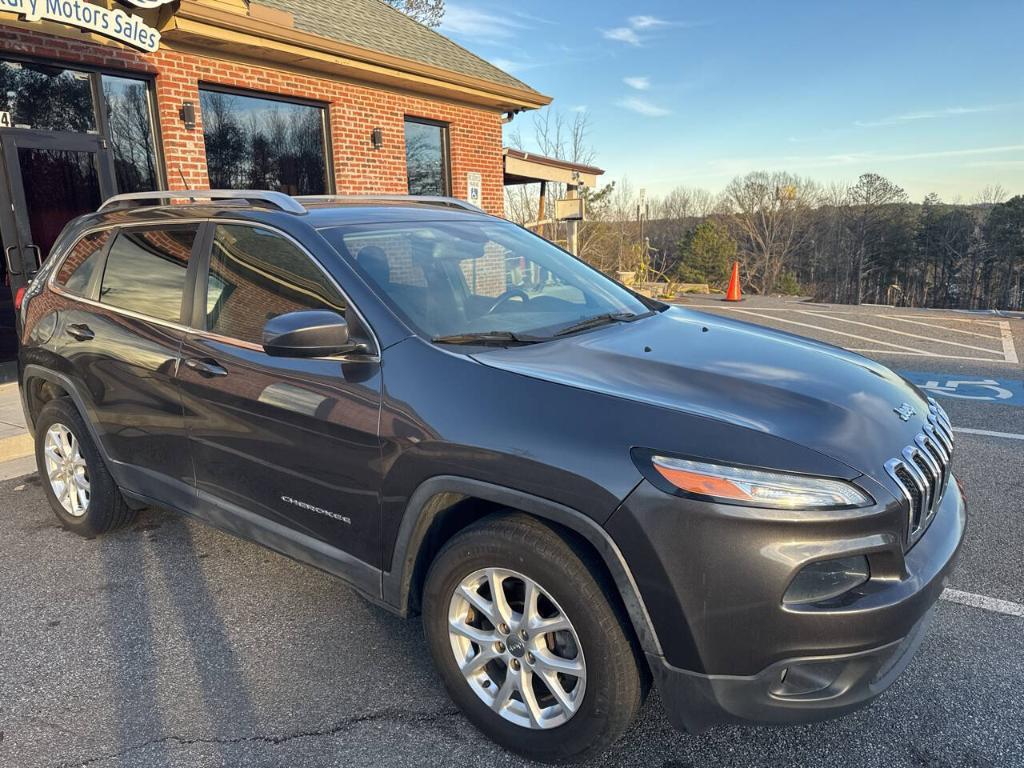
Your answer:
<point x="376" y="25"/>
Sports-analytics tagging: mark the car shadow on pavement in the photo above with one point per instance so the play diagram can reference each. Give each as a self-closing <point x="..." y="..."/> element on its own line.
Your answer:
<point x="193" y="660"/>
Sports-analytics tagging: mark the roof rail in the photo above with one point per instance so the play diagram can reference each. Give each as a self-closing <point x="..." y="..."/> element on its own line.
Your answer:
<point x="277" y="200"/>
<point x="451" y="202"/>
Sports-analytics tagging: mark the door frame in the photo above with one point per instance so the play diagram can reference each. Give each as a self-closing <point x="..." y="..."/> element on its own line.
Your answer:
<point x="13" y="207"/>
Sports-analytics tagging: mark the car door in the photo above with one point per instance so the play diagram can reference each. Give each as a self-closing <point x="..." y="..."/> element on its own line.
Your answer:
<point x="294" y="441"/>
<point x="120" y="332"/>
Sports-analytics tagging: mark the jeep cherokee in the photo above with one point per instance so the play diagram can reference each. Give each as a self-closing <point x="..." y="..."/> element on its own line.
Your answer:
<point x="581" y="490"/>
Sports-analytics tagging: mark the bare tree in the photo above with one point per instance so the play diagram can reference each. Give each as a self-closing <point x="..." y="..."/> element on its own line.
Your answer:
<point x="993" y="194"/>
<point x="869" y="202"/>
<point x="770" y="214"/>
<point x="427" y="12"/>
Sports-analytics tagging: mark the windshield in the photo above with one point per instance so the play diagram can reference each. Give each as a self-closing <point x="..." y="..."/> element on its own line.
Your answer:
<point x="465" y="279"/>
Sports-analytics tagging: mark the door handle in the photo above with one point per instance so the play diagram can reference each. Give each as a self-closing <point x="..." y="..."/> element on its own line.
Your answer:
<point x="39" y="256"/>
<point x="206" y="367"/>
<point x="81" y="332"/>
<point x="10" y="264"/>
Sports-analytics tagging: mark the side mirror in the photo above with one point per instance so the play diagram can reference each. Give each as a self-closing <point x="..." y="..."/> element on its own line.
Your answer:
<point x="308" y="333"/>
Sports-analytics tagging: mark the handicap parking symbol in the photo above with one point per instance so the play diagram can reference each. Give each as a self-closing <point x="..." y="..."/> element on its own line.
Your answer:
<point x="979" y="389"/>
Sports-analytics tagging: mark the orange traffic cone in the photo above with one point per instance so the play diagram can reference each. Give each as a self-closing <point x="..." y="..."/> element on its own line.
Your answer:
<point x="734" y="294"/>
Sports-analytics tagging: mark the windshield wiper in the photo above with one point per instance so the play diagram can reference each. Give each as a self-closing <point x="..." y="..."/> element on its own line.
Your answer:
<point x="487" y="337"/>
<point x="598" y="320"/>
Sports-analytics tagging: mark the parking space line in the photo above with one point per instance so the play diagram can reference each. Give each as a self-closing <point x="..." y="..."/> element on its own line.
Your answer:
<point x="1009" y="352"/>
<point x="985" y="603"/>
<point x="905" y="319"/>
<point x="900" y="347"/>
<point x="988" y="433"/>
<point x="904" y="333"/>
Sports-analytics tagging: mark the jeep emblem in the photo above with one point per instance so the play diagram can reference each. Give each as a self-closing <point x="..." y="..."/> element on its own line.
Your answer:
<point x="905" y="411"/>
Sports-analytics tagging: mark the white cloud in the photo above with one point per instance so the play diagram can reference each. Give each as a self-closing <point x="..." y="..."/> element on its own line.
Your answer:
<point x="643" y="107"/>
<point x="471" y="22"/>
<point x="578" y="108"/>
<point x="638" y="83"/>
<point x="647" y="22"/>
<point x="622" y="35"/>
<point x="512" y="66"/>
<point x="931" y="114"/>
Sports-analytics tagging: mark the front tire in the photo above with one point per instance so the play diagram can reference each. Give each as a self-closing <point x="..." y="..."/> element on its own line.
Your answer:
<point x="74" y="477"/>
<point x="530" y="640"/>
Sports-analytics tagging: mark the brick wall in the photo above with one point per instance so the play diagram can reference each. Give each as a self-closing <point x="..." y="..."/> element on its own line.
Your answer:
<point x="354" y="111"/>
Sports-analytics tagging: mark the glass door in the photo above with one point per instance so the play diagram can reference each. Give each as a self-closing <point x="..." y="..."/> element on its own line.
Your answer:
<point x="46" y="179"/>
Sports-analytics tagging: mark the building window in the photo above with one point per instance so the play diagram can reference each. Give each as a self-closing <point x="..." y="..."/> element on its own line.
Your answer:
<point x="263" y="143"/>
<point x="426" y="157"/>
<point x="46" y="97"/>
<point x="129" y="116"/>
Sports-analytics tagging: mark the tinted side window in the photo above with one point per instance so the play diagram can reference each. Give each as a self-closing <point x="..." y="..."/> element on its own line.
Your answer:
<point x="76" y="271"/>
<point x="256" y="275"/>
<point x="146" y="269"/>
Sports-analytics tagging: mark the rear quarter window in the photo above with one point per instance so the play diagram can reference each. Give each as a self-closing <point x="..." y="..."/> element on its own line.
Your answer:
<point x="145" y="271"/>
<point x="77" y="270"/>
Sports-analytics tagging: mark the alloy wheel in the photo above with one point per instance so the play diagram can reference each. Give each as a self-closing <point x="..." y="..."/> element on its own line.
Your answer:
<point x="516" y="648"/>
<point x="66" y="470"/>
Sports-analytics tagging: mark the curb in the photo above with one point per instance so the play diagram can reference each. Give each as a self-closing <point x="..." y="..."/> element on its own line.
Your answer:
<point x="17" y="447"/>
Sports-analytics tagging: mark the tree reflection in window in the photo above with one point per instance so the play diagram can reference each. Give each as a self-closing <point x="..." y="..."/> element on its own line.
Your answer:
<point x="47" y="97"/>
<point x="426" y="158"/>
<point x="130" y="124"/>
<point x="254" y="143"/>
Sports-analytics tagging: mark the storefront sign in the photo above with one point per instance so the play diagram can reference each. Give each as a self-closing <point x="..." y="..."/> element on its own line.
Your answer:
<point x="115" y="24"/>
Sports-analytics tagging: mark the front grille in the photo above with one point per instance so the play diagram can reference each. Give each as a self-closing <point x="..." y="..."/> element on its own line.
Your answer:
<point x="922" y="471"/>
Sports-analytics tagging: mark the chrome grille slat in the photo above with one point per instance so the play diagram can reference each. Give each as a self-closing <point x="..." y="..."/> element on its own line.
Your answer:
<point x="923" y="470"/>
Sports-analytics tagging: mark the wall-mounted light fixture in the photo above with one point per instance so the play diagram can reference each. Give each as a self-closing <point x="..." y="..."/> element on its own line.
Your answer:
<point x="377" y="138"/>
<point x="188" y="115"/>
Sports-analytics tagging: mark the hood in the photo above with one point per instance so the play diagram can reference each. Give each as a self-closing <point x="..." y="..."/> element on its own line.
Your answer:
<point x="819" y="396"/>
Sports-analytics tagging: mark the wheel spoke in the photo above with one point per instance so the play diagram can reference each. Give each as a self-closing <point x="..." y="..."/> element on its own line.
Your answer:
<point x="548" y="661"/>
<point x="544" y="626"/>
<point x="552" y="683"/>
<point x="498" y="599"/>
<point x="529" y="697"/>
<point x="478" y="602"/>
<point x="530" y="614"/>
<point x="481" y="637"/>
<point x="478" y="661"/>
<point x="501" y="698"/>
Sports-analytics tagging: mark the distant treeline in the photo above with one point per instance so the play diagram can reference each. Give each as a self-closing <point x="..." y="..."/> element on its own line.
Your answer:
<point x="849" y="244"/>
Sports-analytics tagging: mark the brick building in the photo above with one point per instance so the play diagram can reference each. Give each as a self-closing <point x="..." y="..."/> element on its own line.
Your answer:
<point x="99" y="97"/>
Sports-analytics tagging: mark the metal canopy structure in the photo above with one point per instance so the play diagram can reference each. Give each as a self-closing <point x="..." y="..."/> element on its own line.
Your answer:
<point x="528" y="168"/>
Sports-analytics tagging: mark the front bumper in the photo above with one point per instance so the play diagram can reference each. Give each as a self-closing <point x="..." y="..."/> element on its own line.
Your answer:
<point x="731" y="651"/>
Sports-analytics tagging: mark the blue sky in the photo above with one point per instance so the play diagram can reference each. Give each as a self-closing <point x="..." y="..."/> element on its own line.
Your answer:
<point x="930" y="94"/>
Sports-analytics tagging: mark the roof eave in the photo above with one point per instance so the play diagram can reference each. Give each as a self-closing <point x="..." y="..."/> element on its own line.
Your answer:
<point x="204" y="27"/>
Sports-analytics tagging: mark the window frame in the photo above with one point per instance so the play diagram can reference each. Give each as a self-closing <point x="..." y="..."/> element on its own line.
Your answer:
<point x="446" y="150"/>
<point x="324" y="107"/>
<point x="193" y="317"/>
<point x="99" y="114"/>
<point x="95" y="281"/>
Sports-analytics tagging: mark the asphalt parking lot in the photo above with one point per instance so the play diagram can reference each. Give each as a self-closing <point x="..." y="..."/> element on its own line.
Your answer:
<point x="170" y="644"/>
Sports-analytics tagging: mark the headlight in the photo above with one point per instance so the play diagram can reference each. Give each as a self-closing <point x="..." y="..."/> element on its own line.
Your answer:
<point x="758" y="488"/>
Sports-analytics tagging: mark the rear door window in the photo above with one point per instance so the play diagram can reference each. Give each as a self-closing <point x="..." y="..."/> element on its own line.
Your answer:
<point x="78" y="268"/>
<point x="146" y="270"/>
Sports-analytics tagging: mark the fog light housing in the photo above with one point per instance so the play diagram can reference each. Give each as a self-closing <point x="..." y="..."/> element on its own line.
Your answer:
<point x="827" y="579"/>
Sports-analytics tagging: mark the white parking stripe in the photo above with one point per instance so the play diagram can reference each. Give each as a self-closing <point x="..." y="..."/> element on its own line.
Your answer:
<point x="1009" y="352"/>
<point x="905" y="319"/>
<point x="988" y="433"/>
<point x="904" y="333"/>
<point x="985" y="603"/>
<point x="834" y="332"/>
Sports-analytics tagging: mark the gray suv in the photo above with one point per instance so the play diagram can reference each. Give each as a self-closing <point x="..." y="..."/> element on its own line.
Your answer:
<point x="581" y="491"/>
